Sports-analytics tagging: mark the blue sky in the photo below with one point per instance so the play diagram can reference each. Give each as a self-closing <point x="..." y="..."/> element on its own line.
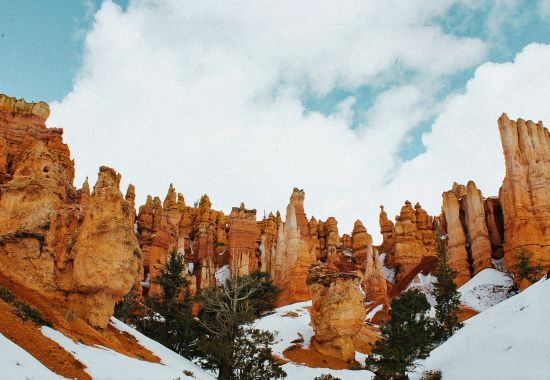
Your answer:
<point x="359" y="89"/>
<point x="41" y="45"/>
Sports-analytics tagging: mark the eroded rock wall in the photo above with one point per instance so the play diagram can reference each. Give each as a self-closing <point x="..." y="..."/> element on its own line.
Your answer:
<point x="525" y="192"/>
<point x="73" y="246"/>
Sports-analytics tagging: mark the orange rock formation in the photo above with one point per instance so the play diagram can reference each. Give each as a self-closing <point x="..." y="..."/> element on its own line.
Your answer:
<point x="337" y="312"/>
<point x="409" y="240"/>
<point x="74" y="247"/>
<point x="525" y="192"/>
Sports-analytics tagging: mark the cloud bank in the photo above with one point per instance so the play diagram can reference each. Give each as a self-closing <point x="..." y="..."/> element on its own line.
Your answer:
<point x="210" y="96"/>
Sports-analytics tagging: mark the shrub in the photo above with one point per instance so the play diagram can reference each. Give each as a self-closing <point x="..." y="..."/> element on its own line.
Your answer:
<point x="326" y="376"/>
<point x="6" y="295"/>
<point x="432" y="375"/>
<point x="25" y="311"/>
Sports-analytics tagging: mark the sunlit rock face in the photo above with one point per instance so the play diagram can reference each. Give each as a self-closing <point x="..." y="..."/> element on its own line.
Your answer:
<point x="73" y="246"/>
<point x="406" y="242"/>
<point x="469" y="247"/>
<point x="525" y="192"/>
<point x="337" y="312"/>
<point x="294" y="254"/>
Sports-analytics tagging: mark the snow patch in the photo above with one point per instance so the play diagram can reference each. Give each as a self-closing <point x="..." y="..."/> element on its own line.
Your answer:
<point x="389" y="273"/>
<point x="373" y="312"/>
<point x="103" y="363"/>
<point x="291" y="323"/>
<point x="486" y="289"/>
<point x="508" y="341"/>
<point x="18" y="364"/>
<point x="425" y="284"/>
<point x="222" y="275"/>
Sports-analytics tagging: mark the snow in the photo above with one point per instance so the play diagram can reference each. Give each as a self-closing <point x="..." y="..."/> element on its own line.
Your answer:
<point x="147" y="281"/>
<point x="508" y="341"/>
<point x="18" y="364"/>
<point x="222" y="275"/>
<point x="425" y="284"/>
<point x="373" y="312"/>
<point x="288" y="327"/>
<point x="105" y="364"/>
<point x="389" y="273"/>
<point x="291" y="323"/>
<point x="486" y="289"/>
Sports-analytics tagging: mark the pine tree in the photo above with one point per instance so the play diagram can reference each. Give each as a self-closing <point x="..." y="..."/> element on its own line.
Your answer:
<point x="170" y="320"/>
<point x="445" y="292"/>
<point x="229" y="345"/>
<point x="408" y="335"/>
<point x="262" y="300"/>
<point x="525" y="269"/>
<point x="129" y="309"/>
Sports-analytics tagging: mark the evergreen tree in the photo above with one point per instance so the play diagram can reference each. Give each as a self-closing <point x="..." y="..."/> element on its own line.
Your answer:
<point x="525" y="269"/>
<point x="170" y="320"/>
<point x="129" y="309"/>
<point x="408" y="335"/>
<point x="263" y="298"/>
<point x="445" y="292"/>
<point x="229" y="345"/>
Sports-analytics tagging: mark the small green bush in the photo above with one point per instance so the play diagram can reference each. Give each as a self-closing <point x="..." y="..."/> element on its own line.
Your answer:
<point x="432" y="375"/>
<point x="25" y="311"/>
<point x="6" y="295"/>
<point x="326" y="376"/>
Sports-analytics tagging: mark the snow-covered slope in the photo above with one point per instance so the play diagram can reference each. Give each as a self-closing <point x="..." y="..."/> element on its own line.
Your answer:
<point x="18" y="364"/>
<point x="488" y="288"/>
<point x="103" y="364"/>
<point x="508" y="341"/>
<point x="291" y="323"/>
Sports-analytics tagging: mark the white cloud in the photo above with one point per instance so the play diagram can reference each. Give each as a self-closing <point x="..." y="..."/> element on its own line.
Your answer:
<point x="208" y="95"/>
<point x="464" y="143"/>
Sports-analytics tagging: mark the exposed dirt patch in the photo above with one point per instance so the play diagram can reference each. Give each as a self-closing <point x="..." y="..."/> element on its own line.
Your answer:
<point x="28" y="336"/>
<point x="65" y="321"/>
<point x="466" y="313"/>
<point x="312" y="358"/>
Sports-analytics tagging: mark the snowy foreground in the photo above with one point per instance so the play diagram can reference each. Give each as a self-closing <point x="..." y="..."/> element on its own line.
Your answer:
<point x="16" y="363"/>
<point x="510" y="340"/>
<point x="291" y="322"/>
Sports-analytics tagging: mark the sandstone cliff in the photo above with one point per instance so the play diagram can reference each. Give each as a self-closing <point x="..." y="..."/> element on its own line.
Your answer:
<point x="525" y="192"/>
<point x="75" y="247"/>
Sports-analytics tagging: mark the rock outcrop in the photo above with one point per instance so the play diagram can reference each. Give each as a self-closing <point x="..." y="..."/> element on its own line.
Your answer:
<point x="469" y="247"/>
<point x="243" y="247"/>
<point x="293" y="256"/>
<point x="71" y="246"/>
<point x="408" y="240"/>
<point x="374" y="282"/>
<point x="361" y="244"/>
<point x="457" y="255"/>
<point x="525" y="192"/>
<point x="337" y="312"/>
